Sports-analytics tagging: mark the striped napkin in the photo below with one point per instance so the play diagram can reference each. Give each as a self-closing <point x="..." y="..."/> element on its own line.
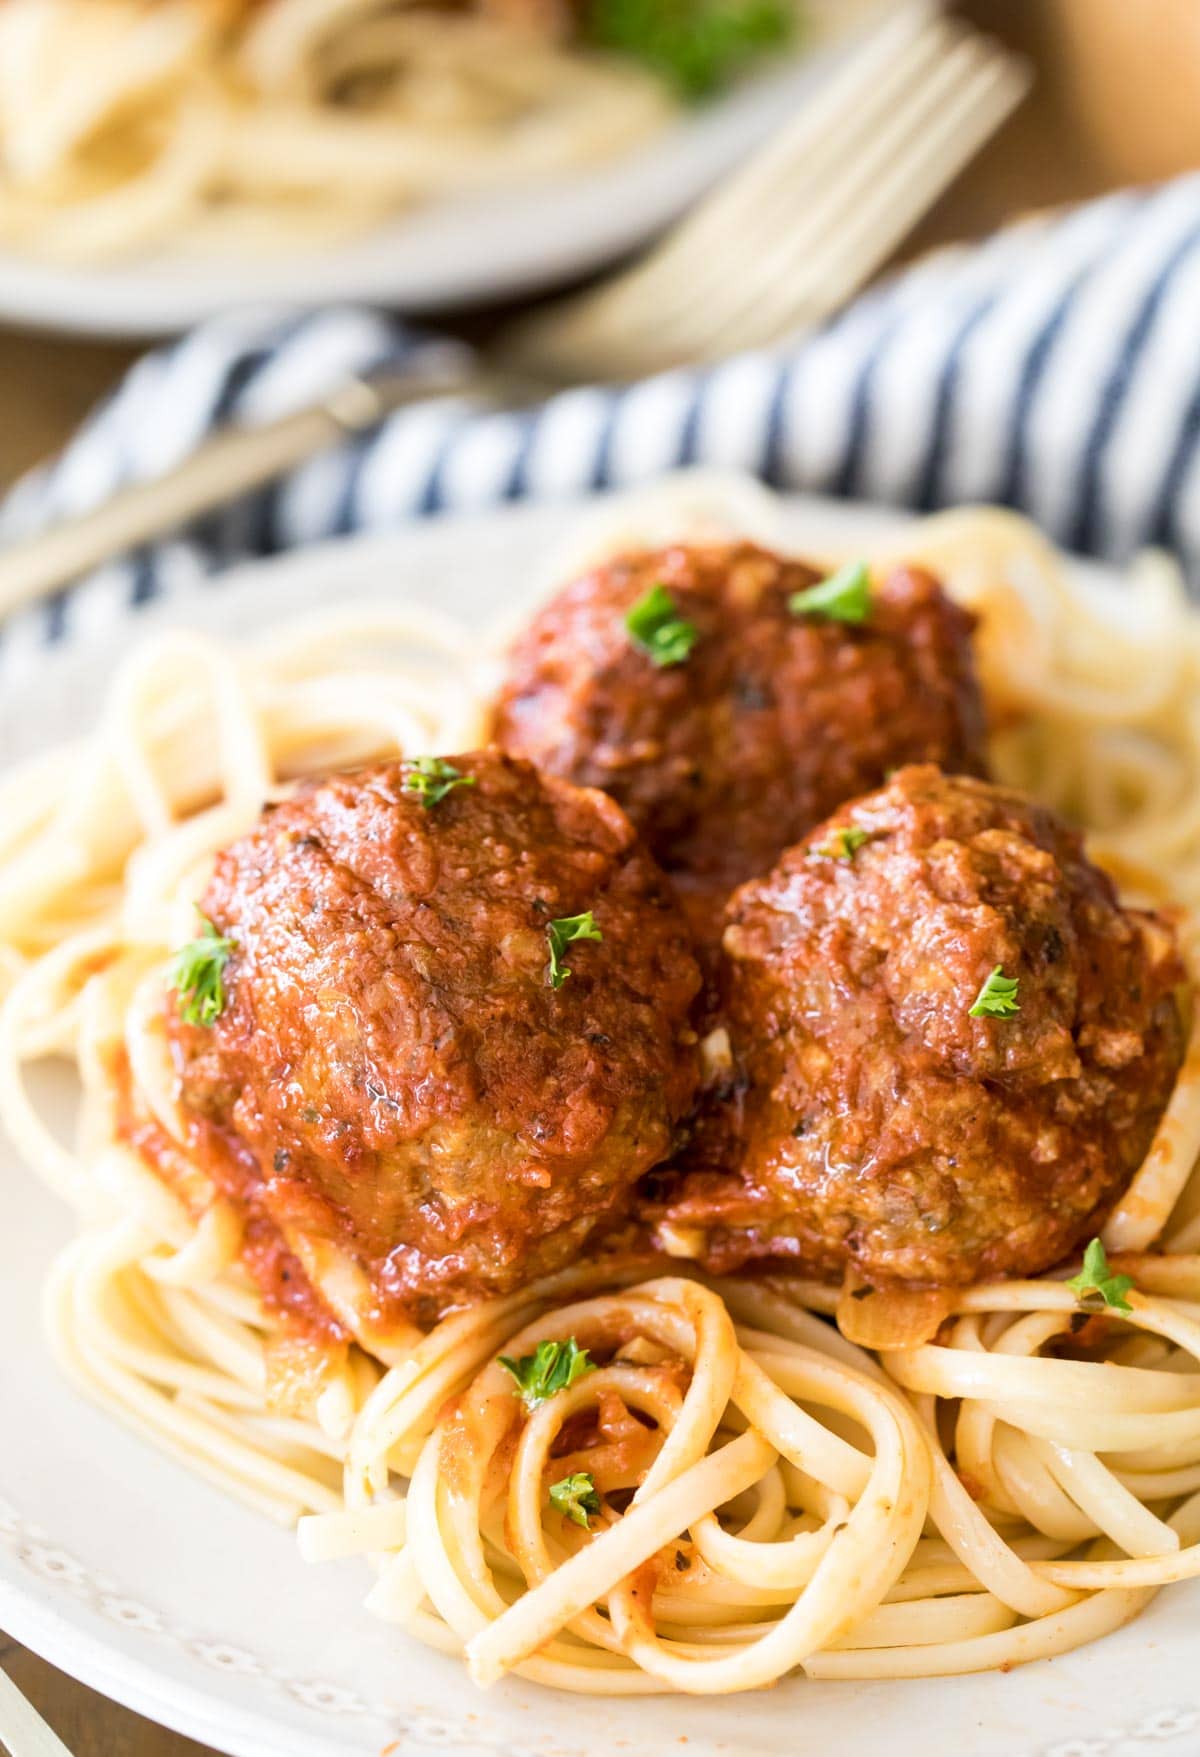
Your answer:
<point x="1054" y="367"/>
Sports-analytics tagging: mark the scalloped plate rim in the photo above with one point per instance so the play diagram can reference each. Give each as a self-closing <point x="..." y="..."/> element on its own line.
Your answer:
<point x="80" y="1643"/>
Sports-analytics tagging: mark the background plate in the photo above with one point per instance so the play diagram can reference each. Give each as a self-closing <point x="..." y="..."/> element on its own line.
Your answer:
<point x="119" y="1567"/>
<point x="453" y="252"/>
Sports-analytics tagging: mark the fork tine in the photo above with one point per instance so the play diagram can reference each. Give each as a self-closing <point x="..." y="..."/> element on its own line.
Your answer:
<point x="796" y="232"/>
<point x="822" y="259"/>
<point x="811" y="145"/>
<point x="606" y="331"/>
<point x="749" y="264"/>
<point x="22" y="1728"/>
<point x="813" y="134"/>
<point x="793" y="310"/>
<point x="913" y="185"/>
<point x="820" y="253"/>
<point x="797" y="175"/>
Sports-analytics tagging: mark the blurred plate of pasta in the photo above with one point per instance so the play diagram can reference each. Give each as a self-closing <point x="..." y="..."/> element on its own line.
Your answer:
<point x="163" y="160"/>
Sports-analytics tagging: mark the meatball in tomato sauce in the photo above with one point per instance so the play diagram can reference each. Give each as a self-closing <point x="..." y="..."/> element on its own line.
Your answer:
<point x="455" y="1029"/>
<point x="729" y="731"/>
<point x="952" y="1046"/>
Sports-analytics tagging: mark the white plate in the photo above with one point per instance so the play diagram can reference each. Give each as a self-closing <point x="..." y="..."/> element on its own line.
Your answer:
<point x="456" y="252"/>
<point x="125" y="1571"/>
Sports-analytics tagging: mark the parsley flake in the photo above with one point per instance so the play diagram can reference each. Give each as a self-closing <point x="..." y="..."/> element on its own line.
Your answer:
<point x="197" y="975"/>
<point x="698" y="45"/>
<point x="844" y="597"/>
<point x="997" y="999"/>
<point x="843" y="844"/>
<point x="575" y="1497"/>
<point x="433" y="777"/>
<point x="553" y="1366"/>
<point x="1097" y="1283"/>
<point x="562" y="933"/>
<point x="656" y="626"/>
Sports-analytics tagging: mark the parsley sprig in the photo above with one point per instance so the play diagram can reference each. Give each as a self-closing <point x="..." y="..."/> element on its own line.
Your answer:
<point x="1096" y="1286"/>
<point x="655" y="625"/>
<point x="843" y="844"/>
<point x="197" y="975"/>
<point x="997" y="999"/>
<point x="698" y="45"/>
<point x="433" y="777"/>
<point x="562" y="933"/>
<point x="576" y="1497"/>
<point x="552" y="1366"/>
<point x="844" y="597"/>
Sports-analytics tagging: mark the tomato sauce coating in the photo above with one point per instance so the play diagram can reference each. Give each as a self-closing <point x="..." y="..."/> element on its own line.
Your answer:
<point x="771" y="721"/>
<point x="874" y="1121"/>
<point x="393" y="1071"/>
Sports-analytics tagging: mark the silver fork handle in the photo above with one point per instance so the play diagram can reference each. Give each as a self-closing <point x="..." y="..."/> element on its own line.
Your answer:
<point x="23" y="1732"/>
<point x="234" y="463"/>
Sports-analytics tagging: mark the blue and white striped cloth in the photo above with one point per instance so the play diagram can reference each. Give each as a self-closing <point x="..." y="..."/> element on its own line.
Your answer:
<point x="1055" y="367"/>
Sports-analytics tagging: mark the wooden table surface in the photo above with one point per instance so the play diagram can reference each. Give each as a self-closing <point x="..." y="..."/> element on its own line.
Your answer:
<point x="1117" y="101"/>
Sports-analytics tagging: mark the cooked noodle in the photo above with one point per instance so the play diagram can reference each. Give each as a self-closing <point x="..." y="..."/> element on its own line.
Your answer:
<point x="965" y="1494"/>
<point x="125" y="124"/>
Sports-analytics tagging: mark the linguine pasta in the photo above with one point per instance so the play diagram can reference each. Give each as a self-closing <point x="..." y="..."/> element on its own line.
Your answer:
<point x="127" y="124"/>
<point x="892" y="1487"/>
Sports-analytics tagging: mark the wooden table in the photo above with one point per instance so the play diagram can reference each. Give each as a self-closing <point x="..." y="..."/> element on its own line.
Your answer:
<point x="1117" y="101"/>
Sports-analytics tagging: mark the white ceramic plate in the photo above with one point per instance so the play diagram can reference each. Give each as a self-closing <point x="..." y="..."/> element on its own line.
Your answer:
<point x="455" y="252"/>
<point x="125" y="1571"/>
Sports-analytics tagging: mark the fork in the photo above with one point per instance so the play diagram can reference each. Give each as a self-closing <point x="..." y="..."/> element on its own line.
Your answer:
<point x="780" y="246"/>
<point x="788" y="240"/>
<point x="23" y="1732"/>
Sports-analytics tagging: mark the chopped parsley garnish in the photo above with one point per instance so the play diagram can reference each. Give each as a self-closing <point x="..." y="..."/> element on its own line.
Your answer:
<point x="656" y="626"/>
<point x="1097" y="1283"/>
<point x="550" y="1368"/>
<point x="844" y="844"/>
<point x="698" y="45"/>
<point x="576" y="1497"/>
<point x="997" y="999"/>
<point x="433" y="777"/>
<point x="844" y="597"/>
<point x="562" y="933"/>
<point x="197" y="975"/>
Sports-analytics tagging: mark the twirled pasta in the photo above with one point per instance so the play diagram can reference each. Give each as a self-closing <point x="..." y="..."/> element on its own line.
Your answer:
<point x="982" y="1487"/>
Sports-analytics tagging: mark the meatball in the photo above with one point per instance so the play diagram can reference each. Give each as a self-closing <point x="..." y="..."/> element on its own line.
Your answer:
<point x="729" y="755"/>
<point x="394" y="1070"/>
<point x="878" y="1121"/>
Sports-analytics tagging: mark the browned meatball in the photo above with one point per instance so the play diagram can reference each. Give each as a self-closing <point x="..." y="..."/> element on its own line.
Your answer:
<point x="393" y="1069"/>
<point x="879" y="1123"/>
<point x="773" y="719"/>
